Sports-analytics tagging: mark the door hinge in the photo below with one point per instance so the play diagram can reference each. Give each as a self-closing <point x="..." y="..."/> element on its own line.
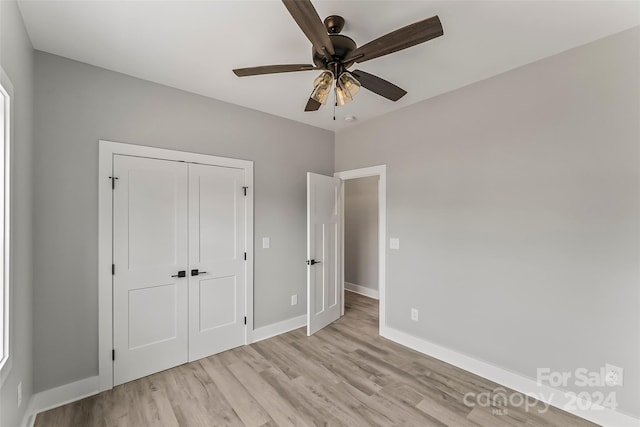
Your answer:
<point x="245" y="190"/>
<point x="245" y="256"/>
<point x="113" y="354"/>
<point x="113" y="269"/>
<point x="245" y="320"/>
<point x="113" y="182"/>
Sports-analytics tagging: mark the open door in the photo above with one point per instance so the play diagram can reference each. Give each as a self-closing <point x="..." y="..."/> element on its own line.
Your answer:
<point x="323" y="251"/>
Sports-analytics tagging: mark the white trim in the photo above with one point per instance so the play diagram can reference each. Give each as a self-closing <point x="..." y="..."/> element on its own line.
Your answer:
<point x="107" y="150"/>
<point x="278" y="328"/>
<point x="362" y="290"/>
<point x="381" y="172"/>
<point x="512" y="380"/>
<point x="6" y="338"/>
<point x="28" y="420"/>
<point x="105" y="257"/>
<point x="59" y="396"/>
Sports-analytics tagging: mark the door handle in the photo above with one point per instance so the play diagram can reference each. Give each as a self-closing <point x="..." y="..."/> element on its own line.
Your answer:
<point x="312" y="262"/>
<point x="181" y="273"/>
<point x="195" y="272"/>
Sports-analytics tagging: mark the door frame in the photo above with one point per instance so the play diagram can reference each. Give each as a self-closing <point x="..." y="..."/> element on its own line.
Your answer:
<point x="107" y="150"/>
<point x="381" y="172"/>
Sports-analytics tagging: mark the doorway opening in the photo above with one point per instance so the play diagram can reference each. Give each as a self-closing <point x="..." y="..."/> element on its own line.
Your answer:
<point x="361" y="244"/>
<point x="363" y="198"/>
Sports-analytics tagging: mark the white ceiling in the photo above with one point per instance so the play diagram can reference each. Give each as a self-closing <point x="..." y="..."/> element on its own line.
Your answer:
<point x="194" y="45"/>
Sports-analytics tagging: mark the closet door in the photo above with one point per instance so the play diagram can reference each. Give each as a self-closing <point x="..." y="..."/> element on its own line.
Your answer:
<point x="150" y="249"/>
<point x="217" y="221"/>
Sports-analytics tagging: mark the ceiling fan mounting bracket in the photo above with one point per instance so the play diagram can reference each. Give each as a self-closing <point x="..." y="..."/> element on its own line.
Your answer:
<point x="334" y="24"/>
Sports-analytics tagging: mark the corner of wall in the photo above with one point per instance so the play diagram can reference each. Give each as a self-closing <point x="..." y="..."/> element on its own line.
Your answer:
<point x="17" y="59"/>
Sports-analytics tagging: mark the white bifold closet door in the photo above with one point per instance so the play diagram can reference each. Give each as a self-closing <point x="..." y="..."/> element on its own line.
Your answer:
<point x="179" y="282"/>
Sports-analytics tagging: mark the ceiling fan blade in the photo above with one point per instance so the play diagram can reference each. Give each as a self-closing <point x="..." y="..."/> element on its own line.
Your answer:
<point x="380" y="86"/>
<point x="311" y="25"/>
<point x="272" y="69"/>
<point x="403" y="38"/>
<point x="312" y="105"/>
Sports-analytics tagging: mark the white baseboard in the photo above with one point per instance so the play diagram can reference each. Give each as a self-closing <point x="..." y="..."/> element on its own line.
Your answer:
<point x="362" y="290"/>
<point x="29" y="420"/>
<point x="512" y="380"/>
<point x="59" y="396"/>
<point x="278" y="328"/>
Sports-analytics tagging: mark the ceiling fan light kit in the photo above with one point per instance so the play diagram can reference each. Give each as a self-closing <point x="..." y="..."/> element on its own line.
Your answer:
<point x="334" y="53"/>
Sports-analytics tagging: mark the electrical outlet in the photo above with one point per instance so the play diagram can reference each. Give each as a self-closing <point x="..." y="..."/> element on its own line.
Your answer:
<point x="266" y="243"/>
<point x="394" y="243"/>
<point x="613" y="375"/>
<point x="294" y="299"/>
<point x="414" y="314"/>
<point x="19" y="394"/>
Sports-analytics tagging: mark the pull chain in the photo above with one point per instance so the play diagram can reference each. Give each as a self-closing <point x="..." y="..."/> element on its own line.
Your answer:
<point x="335" y="103"/>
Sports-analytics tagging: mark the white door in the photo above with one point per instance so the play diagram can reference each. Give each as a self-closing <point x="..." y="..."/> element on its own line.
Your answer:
<point x="217" y="220"/>
<point x="150" y="248"/>
<point x="323" y="251"/>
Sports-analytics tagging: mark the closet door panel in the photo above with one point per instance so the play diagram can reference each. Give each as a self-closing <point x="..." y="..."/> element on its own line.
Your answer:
<point x="150" y="248"/>
<point x="217" y="223"/>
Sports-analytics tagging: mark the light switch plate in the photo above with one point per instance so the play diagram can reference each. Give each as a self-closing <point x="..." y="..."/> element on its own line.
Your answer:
<point x="266" y="243"/>
<point x="394" y="243"/>
<point x="19" y="394"/>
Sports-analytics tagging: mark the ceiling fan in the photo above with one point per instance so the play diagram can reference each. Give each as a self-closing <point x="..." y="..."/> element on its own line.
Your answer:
<point x="334" y="53"/>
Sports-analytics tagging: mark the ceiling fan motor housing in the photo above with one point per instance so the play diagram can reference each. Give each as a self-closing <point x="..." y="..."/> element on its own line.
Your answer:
<point x="342" y="45"/>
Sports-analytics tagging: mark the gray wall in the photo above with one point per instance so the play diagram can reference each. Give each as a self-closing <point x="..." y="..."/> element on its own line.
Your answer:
<point x="16" y="58"/>
<point x="361" y="232"/>
<point x="516" y="201"/>
<point x="76" y="105"/>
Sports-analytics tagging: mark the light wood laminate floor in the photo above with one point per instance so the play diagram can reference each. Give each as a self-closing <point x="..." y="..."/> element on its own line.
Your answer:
<point x="343" y="375"/>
